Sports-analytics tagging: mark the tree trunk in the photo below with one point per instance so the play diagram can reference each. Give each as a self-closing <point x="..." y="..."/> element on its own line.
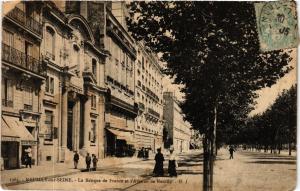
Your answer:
<point x="206" y="164"/>
<point x="213" y="150"/>
<point x="214" y="136"/>
<point x="209" y="148"/>
<point x="290" y="148"/>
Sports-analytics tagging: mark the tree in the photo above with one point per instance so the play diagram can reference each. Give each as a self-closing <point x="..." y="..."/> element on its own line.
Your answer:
<point x="213" y="49"/>
<point x="275" y="127"/>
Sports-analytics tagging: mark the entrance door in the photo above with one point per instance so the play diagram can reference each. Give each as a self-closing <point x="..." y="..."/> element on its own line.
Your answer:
<point x="10" y="154"/>
<point x="110" y="143"/>
<point x="70" y="126"/>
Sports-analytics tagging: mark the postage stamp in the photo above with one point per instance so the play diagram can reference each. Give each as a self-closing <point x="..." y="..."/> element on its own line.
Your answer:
<point x="277" y="25"/>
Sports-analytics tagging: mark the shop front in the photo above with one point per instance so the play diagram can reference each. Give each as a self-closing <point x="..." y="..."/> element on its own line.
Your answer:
<point x="9" y="147"/>
<point x="13" y="147"/>
<point x="119" y="143"/>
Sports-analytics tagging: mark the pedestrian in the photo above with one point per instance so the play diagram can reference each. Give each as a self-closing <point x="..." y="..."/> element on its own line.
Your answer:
<point x="159" y="163"/>
<point x="172" y="164"/>
<point x="28" y="157"/>
<point x="231" y="150"/>
<point x="147" y="153"/>
<point x="88" y="161"/>
<point x="140" y="153"/>
<point x="143" y="152"/>
<point x="76" y="159"/>
<point x="95" y="160"/>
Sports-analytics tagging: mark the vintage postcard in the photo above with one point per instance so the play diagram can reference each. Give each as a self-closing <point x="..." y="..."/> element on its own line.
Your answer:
<point x="148" y="95"/>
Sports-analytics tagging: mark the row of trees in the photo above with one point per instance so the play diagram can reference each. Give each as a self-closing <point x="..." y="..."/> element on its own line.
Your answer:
<point x="212" y="48"/>
<point x="275" y="128"/>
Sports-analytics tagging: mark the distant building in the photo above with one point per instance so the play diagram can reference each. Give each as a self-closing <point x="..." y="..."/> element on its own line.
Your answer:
<point x="196" y="140"/>
<point x="176" y="132"/>
<point x="149" y="96"/>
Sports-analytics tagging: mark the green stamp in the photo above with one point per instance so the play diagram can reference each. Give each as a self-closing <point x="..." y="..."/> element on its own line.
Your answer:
<point x="277" y="25"/>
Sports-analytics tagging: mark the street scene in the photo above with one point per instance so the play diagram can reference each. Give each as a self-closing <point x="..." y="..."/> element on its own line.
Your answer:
<point x="148" y="95"/>
<point x="250" y="170"/>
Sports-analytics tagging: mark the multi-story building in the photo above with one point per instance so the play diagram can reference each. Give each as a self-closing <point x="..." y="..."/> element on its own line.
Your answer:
<point x="111" y="34"/>
<point x="177" y="132"/>
<point x="23" y="72"/>
<point x="149" y="96"/>
<point x="121" y="108"/>
<point x="71" y="81"/>
<point x="74" y="91"/>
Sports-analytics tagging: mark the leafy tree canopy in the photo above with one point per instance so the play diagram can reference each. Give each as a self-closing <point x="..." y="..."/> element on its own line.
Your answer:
<point x="213" y="49"/>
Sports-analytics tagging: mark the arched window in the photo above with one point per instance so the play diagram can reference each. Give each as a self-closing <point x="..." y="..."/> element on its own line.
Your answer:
<point x="50" y="42"/>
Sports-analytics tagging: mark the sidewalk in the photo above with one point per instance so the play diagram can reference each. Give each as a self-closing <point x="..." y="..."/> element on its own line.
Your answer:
<point x="52" y="170"/>
<point x="254" y="171"/>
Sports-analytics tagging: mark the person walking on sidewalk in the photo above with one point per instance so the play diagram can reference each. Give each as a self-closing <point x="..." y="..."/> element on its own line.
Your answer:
<point x="28" y="157"/>
<point x="76" y="159"/>
<point x="88" y="161"/>
<point x="172" y="164"/>
<point x="159" y="163"/>
<point x="231" y="150"/>
<point x="95" y="160"/>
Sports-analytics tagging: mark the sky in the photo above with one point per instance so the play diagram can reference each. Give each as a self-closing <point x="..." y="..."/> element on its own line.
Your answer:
<point x="267" y="95"/>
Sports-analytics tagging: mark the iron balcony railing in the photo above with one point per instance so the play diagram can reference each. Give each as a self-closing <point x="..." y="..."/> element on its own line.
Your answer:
<point x="50" y="55"/>
<point x="16" y="57"/>
<point x="20" y="17"/>
<point x="7" y="103"/>
<point x="152" y="112"/>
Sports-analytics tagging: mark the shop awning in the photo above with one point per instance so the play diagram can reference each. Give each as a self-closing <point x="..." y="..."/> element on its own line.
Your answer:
<point x="19" y="127"/>
<point x="7" y="133"/>
<point x="123" y="135"/>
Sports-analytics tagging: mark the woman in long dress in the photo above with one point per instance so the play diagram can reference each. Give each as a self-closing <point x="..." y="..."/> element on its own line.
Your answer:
<point x="172" y="164"/>
<point x="159" y="164"/>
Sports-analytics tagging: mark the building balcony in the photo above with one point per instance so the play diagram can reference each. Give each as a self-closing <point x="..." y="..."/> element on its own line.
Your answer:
<point x="152" y="94"/>
<point x="88" y="75"/>
<point x="22" y="19"/>
<point x="22" y="60"/>
<point x="50" y="55"/>
<point x="7" y="103"/>
<point x="154" y="113"/>
<point x="27" y="107"/>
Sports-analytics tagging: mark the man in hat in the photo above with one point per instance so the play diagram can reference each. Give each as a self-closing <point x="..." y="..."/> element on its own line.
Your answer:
<point x="88" y="160"/>
<point x="75" y="159"/>
<point x="28" y="156"/>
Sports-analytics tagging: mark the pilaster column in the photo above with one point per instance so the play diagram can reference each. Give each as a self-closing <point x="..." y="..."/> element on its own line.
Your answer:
<point x="101" y="125"/>
<point x="87" y="122"/>
<point x="64" y="122"/>
<point x="76" y="124"/>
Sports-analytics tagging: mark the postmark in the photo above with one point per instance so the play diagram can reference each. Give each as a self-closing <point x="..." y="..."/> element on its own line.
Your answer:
<point x="277" y="25"/>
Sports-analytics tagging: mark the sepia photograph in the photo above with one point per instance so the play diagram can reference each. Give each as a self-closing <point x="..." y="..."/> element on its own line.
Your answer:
<point x="149" y="95"/>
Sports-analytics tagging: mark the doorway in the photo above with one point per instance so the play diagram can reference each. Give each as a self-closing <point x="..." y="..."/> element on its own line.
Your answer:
<point x="70" y="126"/>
